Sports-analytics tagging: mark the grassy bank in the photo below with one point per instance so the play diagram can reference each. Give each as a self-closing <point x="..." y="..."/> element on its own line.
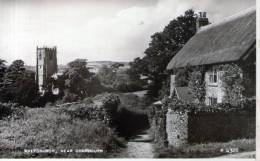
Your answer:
<point x="62" y="129"/>
<point x="208" y="150"/>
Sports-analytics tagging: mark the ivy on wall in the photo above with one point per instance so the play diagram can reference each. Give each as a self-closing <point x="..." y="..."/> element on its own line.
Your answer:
<point x="232" y="82"/>
<point x="197" y="85"/>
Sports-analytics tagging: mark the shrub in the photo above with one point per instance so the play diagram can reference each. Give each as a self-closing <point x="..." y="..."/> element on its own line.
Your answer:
<point x="11" y="110"/>
<point x="5" y="110"/>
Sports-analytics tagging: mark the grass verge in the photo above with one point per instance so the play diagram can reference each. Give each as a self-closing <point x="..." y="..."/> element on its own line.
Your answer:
<point x="207" y="150"/>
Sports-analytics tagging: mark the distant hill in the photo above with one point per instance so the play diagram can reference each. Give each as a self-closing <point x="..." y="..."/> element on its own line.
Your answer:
<point x="93" y="66"/>
<point x="31" y="68"/>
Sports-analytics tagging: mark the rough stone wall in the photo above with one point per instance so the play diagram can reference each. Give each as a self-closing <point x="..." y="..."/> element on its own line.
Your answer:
<point x="177" y="128"/>
<point x="220" y="127"/>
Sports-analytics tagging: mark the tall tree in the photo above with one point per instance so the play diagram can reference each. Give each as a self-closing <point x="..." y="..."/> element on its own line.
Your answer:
<point x="18" y="85"/>
<point x="2" y="70"/>
<point x="78" y="78"/>
<point x="163" y="46"/>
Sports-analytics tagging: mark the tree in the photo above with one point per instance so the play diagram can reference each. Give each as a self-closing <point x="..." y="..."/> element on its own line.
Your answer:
<point x="107" y="76"/>
<point x="78" y="78"/>
<point x="163" y="46"/>
<point x="18" y="85"/>
<point x="182" y="76"/>
<point x="2" y="70"/>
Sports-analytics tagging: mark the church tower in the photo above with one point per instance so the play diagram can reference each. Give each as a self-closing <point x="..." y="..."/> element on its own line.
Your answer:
<point x="46" y="65"/>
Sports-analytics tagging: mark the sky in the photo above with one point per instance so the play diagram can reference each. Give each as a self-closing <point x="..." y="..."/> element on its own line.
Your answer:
<point x="96" y="30"/>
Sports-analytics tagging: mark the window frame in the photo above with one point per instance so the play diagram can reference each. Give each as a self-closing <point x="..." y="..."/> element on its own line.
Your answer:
<point x="213" y="77"/>
<point x="213" y="100"/>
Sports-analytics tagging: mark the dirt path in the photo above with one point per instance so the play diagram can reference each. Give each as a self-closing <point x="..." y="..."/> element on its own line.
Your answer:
<point x="140" y="147"/>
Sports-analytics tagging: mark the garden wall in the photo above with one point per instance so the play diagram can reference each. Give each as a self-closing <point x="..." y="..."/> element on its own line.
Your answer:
<point x="183" y="128"/>
<point x="220" y="126"/>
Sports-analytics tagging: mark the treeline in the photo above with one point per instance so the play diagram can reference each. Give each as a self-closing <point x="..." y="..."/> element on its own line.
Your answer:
<point x="19" y="85"/>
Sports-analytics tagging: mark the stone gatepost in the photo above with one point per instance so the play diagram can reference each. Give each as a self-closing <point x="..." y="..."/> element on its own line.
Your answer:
<point x="177" y="128"/>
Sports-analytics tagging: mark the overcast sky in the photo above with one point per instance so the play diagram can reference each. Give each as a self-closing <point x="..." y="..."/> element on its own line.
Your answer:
<point x="117" y="30"/>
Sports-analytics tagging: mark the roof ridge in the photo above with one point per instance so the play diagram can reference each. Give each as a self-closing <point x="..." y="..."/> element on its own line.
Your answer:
<point x="236" y="16"/>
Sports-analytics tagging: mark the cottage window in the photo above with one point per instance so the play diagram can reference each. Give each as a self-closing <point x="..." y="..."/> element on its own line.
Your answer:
<point x="213" y="100"/>
<point x="213" y="78"/>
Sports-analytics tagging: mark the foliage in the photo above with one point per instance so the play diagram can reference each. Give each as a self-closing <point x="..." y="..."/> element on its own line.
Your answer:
<point x="2" y="70"/>
<point x="107" y="75"/>
<point x="11" y="110"/>
<point x="182" y="77"/>
<point x="197" y="85"/>
<point x="178" y="105"/>
<point x="117" y="80"/>
<point x="165" y="89"/>
<point x="233" y="83"/>
<point x="132" y="115"/>
<point x="163" y="46"/>
<point x="78" y="79"/>
<point x="60" y="132"/>
<point x="18" y="85"/>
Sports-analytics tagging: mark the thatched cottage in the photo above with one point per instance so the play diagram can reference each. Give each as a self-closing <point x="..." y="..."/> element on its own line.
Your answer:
<point x="231" y="41"/>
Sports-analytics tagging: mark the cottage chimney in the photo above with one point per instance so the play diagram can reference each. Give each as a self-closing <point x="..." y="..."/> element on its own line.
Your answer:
<point x="201" y="20"/>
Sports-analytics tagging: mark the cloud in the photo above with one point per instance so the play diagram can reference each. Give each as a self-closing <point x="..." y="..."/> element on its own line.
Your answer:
<point x="118" y="31"/>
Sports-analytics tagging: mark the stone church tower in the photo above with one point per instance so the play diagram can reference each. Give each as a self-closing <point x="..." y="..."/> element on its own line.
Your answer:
<point x="46" y="65"/>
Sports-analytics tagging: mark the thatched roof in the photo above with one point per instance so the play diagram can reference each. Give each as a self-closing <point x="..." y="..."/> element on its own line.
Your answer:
<point x="226" y="41"/>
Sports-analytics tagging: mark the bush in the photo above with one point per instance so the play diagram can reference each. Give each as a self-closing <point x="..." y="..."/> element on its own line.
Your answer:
<point x="11" y="110"/>
<point x="5" y="110"/>
<point x="69" y="97"/>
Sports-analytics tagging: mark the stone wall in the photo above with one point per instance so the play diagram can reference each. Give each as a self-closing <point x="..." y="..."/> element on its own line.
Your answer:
<point x="177" y="128"/>
<point x="186" y="128"/>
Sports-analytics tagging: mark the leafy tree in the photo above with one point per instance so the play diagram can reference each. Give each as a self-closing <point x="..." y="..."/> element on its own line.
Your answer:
<point x="117" y="65"/>
<point x="18" y="85"/>
<point x="78" y="78"/>
<point x="163" y="46"/>
<point x="2" y="70"/>
<point x="182" y="77"/>
<point x="107" y="76"/>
